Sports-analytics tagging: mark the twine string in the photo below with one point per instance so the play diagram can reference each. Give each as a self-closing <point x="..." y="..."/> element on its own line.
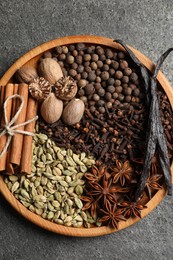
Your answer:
<point x="9" y="128"/>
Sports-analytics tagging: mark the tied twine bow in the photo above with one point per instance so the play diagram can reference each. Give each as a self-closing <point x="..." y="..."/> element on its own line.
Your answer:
<point x="8" y="128"/>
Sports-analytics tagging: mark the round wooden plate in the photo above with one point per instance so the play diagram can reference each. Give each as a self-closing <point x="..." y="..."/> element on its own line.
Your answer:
<point x="31" y="58"/>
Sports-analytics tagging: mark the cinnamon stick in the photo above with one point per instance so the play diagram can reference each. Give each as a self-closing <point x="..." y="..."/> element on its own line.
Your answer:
<point x="27" y="141"/>
<point x="17" y="141"/>
<point x="9" y="166"/>
<point x="2" y="90"/>
<point x="3" y="139"/>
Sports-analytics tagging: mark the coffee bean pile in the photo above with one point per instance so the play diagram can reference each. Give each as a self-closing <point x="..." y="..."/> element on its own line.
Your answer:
<point x="115" y="119"/>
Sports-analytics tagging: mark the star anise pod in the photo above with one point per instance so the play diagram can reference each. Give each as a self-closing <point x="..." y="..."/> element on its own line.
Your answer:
<point x="96" y="173"/>
<point x="90" y="203"/>
<point x="131" y="208"/>
<point x="112" y="215"/>
<point x="153" y="184"/>
<point x="102" y="191"/>
<point x="122" y="172"/>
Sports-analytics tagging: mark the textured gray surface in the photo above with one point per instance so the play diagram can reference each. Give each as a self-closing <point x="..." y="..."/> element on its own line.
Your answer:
<point x="146" y="25"/>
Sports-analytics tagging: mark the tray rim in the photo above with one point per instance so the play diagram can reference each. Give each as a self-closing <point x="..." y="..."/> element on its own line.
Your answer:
<point x="60" y="229"/>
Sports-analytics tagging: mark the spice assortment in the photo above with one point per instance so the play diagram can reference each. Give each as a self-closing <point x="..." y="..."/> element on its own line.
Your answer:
<point x="91" y="161"/>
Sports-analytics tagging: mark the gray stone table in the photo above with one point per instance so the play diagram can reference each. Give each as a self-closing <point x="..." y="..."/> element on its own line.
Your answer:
<point x="148" y="26"/>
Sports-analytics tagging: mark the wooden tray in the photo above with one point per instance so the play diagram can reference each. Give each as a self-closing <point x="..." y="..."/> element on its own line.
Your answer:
<point x="31" y="58"/>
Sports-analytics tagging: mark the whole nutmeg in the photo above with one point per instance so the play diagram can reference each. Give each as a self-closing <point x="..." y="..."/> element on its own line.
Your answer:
<point x="50" y="70"/>
<point x="73" y="112"/>
<point x="51" y="109"/>
<point x="26" y="74"/>
<point x="66" y="88"/>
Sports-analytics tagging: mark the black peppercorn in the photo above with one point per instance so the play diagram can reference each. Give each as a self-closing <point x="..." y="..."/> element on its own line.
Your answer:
<point x="111" y="81"/>
<point x="98" y="79"/>
<point x="123" y="64"/>
<point x="64" y="49"/>
<point x="94" y="57"/>
<point x="87" y="57"/>
<point x="71" y="47"/>
<point x="81" y="83"/>
<point x="118" y="89"/>
<point x="74" y="66"/>
<point x="133" y="77"/>
<point x="120" y="97"/>
<point x="97" y="86"/>
<point x="98" y="72"/>
<point x="101" y="110"/>
<point x="84" y="99"/>
<point x="115" y="65"/>
<point x="128" y="99"/>
<point x="105" y="67"/>
<point x="99" y="64"/>
<point x="92" y="109"/>
<point x="94" y="65"/>
<point x="104" y="75"/>
<point x="108" y="61"/>
<point x="127" y="91"/>
<point x="91" y="76"/>
<point x="72" y="72"/>
<point x="58" y="49"/>
<point x="88" y="69"/>
<point x="118" y="74"/>
<point x="136" y="92"/>
<point x="80" y="68"/>
<point x="78" y="59"/>
<point x="89" y="89"/>
<point x="80" y="46"/>
<point x="81" y="92"/>
<point x="96" y="97"/>
<point x="70" y="59"/>
<point x="104" y="84"/>
<point x="111" y="89"/>
<point x="109" y="105"/>
<point x="100" y="50"/>
<point x="117" y="82"/>
<point x="127" y="71"/>
<point x="75" y="53"/>
<point x="100" y="103"/>
<point x="109" y="54"/>
<point x="101" y="92"/>
<point x="115" y="95"/>
<point x="89" y="50"/>
<point x="84" y="75"/>
<point x="125" y="79"/>
<point x="77" y="77"/>
<point x="111" y="72"/>
<point x="102" y="57"/>
<point x="108" y="96"/>
<point x="121" y="55"/>
<point x="62" y="57"/>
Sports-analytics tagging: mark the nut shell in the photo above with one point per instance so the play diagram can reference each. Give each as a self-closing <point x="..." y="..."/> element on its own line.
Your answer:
<point x="40" y="88"/>
<point x="51" y="109"/>
<point x="66" y="88"/>
<point x="50" y="70"/>
<point x="73" y="112"/>
<point x="26" y="74"/>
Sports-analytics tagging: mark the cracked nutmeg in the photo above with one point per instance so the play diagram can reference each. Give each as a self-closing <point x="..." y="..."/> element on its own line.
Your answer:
<point x="66" y="88"/>
<point x="40" y="88"/>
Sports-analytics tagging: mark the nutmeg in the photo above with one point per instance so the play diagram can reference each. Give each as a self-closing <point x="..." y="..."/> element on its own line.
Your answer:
<point x="66" y="88"/>
<point x="51" y="109"/>
<point x="50" y="70"/>
<point x="73" y="112"/>
<point x="26" y="74"/>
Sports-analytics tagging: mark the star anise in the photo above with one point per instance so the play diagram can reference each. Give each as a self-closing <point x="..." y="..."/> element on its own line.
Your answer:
<point x="131" y="208"/>
<point x="90" y="203"/>
<point x="112" y="215"/>
<point x="122" y="172"/>
<point x="96" y="173"/>
<point x="153" y="184"/>
<point x="102" y="191"/>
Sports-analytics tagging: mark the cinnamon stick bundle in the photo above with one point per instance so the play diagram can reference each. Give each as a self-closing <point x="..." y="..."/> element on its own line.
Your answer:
<point x="8" y="91"/>
<point x="27" y="140"/>
<point x="17" y="140"/>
